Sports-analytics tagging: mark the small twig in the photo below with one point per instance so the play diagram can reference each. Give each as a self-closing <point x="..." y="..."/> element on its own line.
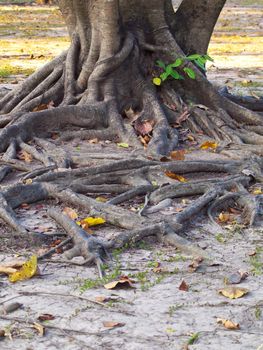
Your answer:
<point x="146" y="201"/>
<point x="53" y="250"/>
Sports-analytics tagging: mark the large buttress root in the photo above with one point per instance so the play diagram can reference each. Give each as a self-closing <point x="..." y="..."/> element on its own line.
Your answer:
<point x="100" y="88"/>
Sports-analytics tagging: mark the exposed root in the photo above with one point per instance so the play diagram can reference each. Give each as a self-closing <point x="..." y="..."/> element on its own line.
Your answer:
<point x="92" y="88"/>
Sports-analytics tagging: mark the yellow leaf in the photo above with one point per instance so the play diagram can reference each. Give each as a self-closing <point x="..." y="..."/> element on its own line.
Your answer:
<point x="39" y="328"/>
<point x="157" y="81"/>
<point x="178" y="155"/>
<point x="123" y="145"/>
<point x="28" y="270"/>
<point x="257" y="191"/>
<point x="90" y="221"/>
<point x="209" y="144"/>
<point x="224" y="217"/>
<point x="228" y="323"/>
<point x="71" y="213"/>
<point x="101" y="199"/>
<point x="233" y="292"/>
<point x="23" y="155"/>
<point x="175" y="176"/>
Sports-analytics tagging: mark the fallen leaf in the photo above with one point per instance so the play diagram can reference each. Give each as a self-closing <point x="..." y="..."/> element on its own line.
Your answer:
<point x="123" y="281"/>
<point x="44" y="106"/>
<point x="102" y="299"/>
<point x="25" y="206"/>
<point x="257" y="191"/>
<point x="112" y="324"/>
<point x="228" y="323"/>
<point x="28" y="270"/>
<point x="94" y="141"/>
<point x="224" y="217"/>
<point x="157" y="81"/>
<point x="209" y="144"/>
<point x="28" y="181"/>
<point x="183" y="286"/>
<point x="2" y="333"/>
<point x="175" y="176"/>
<point x="178" y="155"/>
<point x="123" y="145"/>
<point x="190" y="138"/>
<point x="23" y="155"/>
<point x="39" y="328"/>
<point x="91" y="221"/>
<point x="195" y="264"/>
<point x="233" y="292"/>
<point x="143" y="127"/>
<point x="46" y="317"/>
<point x="101" y="199"/>
<point x="71" y="213"/>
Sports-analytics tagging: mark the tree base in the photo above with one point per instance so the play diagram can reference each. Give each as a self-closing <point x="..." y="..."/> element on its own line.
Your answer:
<point x="128" y="112"/>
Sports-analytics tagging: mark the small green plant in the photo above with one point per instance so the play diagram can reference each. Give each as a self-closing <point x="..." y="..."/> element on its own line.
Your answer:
<point x="170" y="71"/>
<point x="258" y="313"/>
<point x="194" y="337"/>
<point x="256" y="262"/>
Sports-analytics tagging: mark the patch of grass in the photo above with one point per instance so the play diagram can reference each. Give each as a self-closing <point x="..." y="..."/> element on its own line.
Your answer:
<point x="258" y="313"/>
<point x="8" y="69"/>
<point x="173" y="308"/>
<point x="256" y="262"/>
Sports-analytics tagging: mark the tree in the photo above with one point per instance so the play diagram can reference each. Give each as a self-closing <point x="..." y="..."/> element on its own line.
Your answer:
<point x="104" y="79"/>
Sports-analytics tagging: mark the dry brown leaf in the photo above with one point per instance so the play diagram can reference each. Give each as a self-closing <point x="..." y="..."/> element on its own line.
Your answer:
<point x="233" y="292"/>
<point x="23" y="155"/>
<point x="44" y="106"/>
<point x="25" y="206"/>
<point x="228" y="323"/>
<point x="123" y="281"/>
<point x="190" y="138"/>
<point x="46" y="317"/>
<point x="112" y="324"/>
<point x="195" y="264"/>
<point x="175" y="176"/>
<point x="209" y="144"/>
<point x="143" y="127"/>
<point x="71" y="213"/>
<point x="224" y="217"/>
<point x="102" y="299"/>
<point x="39" y="328"/>
<point x="2" y="333"/>
<point x="183" y="286"/>
<point x="178" y="155"/>
<point x="94" y="141"/>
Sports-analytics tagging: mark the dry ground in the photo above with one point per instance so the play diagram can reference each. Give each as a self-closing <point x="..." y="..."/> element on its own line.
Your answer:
<point x="155" y="313"/>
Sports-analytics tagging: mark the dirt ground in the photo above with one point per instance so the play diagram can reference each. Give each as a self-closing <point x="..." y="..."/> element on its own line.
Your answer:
<point x="157" y="311"/>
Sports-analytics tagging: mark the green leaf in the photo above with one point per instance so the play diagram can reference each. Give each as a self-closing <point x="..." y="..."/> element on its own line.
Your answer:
<point x="177" y="63"/>
<point x="176" y="75"/>
<point x="208" y="58"/>
<point x="200" y="64"/>
<point x="157" y="81"/>
<point x="189" y="72"/>
<point x="164" y="76"/>
<point x="160" y="64"/>
<point x="193" y="57"/>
